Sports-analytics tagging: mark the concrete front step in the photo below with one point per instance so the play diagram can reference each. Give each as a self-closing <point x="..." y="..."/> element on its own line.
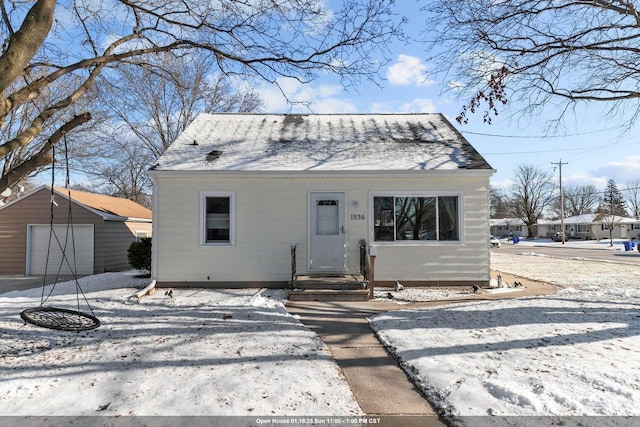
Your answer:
<point x="318" y="286"/>
<point x="329" y="287"/>
<point x="328" y="295"/>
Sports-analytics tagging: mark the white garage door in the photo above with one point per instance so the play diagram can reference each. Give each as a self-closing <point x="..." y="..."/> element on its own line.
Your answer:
<point x="39" y="241"/>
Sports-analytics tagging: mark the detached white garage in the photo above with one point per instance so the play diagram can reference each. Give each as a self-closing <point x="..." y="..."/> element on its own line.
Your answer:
<point x="103" y="229"/>
<point x="76" y="241"/>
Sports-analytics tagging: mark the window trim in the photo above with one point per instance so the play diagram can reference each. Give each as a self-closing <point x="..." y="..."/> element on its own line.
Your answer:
<point x="139" y="235"/>
<point x="203" y="217"/>
<point x="391" y="193"/>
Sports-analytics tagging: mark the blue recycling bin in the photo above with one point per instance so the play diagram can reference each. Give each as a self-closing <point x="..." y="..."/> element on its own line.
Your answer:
<point x="627" y="246"/>
<point x="516" y="239"/>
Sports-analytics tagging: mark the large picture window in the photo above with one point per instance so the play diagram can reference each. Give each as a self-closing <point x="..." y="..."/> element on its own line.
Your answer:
<point x="416" y="218"/>
<point x="217" y="213"/>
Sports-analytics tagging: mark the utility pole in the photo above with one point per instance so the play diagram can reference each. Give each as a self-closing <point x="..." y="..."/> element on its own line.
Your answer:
<point x="561" y="198"/>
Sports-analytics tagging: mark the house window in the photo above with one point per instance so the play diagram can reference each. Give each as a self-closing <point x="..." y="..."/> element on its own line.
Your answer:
<point x="416" y="218"/>
<point x="217" y="218"/>
<point x="141" y="234"/>
<point x="636" y="226"/>
<point x="583" y="228"/>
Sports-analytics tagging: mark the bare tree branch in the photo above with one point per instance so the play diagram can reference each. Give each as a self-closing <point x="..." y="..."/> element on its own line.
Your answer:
<point x="44" y="156"/>
<point x="60" y="60"/>
<point x="538" y="52"/>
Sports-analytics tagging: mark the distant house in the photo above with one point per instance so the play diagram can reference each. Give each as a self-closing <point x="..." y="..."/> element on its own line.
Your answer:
<point x="103" y="227"/>
<point x="235" y="192"/>
<point x="593" y="226"/>
<point x="504" y="227"/>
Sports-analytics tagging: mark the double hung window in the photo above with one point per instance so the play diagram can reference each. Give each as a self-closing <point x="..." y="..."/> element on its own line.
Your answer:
<point x="217" y="218"/>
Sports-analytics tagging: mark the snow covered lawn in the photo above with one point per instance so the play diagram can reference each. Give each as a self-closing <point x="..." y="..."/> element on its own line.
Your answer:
<point x="201" y="352"/>
<point x="573" y="353"/>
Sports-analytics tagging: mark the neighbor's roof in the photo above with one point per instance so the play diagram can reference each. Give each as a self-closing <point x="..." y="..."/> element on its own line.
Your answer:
<point x="327" y="142"/>
<point x="512" y="222"/>
<point x="111" y="206"/>
<point x="593" y="219"/>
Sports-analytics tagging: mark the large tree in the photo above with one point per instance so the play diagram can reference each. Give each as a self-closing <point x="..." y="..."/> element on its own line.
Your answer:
<point x="499" y="206"/>
<point x="560" y="51"/>
<point x="580" y="199"/>
<point x="612" y="208"/>
<point x="632" y="195"/>
<point x="142" y="110"/>
<point x="531" y="193"/>
<point x="612" y="201"/>
<point x="55" y="51"/>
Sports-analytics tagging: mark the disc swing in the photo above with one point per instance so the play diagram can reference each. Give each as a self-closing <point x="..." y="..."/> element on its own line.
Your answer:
<point x="52" y="317"/>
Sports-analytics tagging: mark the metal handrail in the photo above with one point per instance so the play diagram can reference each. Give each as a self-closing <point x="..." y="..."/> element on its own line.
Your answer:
<point x="293" y="264"/>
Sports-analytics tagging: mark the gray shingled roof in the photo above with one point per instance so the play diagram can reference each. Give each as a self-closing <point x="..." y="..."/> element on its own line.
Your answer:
<point x="327" y="142"/>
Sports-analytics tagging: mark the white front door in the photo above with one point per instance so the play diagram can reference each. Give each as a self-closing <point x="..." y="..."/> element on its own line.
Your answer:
<point x="327" y="234"/>
<point x="623" y="232"/>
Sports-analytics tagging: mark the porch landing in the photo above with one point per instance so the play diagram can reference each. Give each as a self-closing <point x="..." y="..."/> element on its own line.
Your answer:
<point x="334" y="287"/>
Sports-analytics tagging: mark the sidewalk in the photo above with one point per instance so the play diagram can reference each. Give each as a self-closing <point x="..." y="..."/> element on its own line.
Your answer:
<point x="379" y="385"/>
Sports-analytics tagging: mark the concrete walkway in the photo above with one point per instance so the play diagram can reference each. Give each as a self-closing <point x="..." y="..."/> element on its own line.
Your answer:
<point x="379" y="385"/>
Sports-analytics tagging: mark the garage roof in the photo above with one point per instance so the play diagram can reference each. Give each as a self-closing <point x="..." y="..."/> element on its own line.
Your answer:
<point x="107" y="206"/>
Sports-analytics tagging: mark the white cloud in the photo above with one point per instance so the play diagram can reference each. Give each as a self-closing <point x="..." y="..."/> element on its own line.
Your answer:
<point x="418" y="105"/>
<point x="296" y="97"/>
<point x="407" y="71"/>
<point x="620" y="171"/>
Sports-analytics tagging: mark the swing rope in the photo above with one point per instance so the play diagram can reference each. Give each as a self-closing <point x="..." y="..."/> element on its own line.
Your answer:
<point x="60" y="318"/>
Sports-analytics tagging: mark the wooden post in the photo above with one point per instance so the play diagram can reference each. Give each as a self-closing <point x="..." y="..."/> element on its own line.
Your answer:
<point x="371" y="275"/>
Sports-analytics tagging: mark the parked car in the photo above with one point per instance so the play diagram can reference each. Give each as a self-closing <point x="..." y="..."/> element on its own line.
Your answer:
<point x="494" y="242"/>
<point x="557" y="237"/>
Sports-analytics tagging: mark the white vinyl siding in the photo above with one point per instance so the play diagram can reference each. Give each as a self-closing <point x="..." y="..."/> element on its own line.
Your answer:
<point x="271" y="213"/>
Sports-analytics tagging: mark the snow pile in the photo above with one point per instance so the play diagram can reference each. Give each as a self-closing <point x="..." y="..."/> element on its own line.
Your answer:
<point x="197" y="352"/>
<point x="582" y="274"/>
<point x="576" y="353"/>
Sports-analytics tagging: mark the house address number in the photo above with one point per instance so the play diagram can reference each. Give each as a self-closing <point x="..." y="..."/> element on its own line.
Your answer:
<point x="357" y="217"/>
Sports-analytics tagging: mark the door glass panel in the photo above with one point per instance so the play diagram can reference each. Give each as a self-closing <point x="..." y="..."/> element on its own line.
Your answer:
<point x="327" y="218"/>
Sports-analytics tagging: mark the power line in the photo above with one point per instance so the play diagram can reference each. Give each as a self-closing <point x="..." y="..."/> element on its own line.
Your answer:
<point x="539" y="136"/>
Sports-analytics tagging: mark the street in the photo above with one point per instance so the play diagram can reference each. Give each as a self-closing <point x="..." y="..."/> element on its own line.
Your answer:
<point x="568" y="252"/>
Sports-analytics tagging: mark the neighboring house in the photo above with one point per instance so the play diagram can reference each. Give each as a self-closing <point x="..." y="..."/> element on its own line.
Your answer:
<point x="594" y="226"/>
<point x="235" y="192"/>
<point x="103" y="228"/>
<point x="503" y="227"/>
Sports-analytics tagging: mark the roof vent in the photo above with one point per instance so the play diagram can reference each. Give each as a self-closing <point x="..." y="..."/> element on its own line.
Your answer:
<point x="213" y="155"/>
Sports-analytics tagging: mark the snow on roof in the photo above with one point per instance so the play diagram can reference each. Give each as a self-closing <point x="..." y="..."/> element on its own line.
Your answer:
<point x="495" y="222"/>
<point x="331" y="142"/>
<point x="592" y="219"/>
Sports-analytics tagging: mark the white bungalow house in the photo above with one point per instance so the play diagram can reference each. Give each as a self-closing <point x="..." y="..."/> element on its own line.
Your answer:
<point x="593" y="226"/>
<point x="236" y="192"/>
<point x="508" y="227"/>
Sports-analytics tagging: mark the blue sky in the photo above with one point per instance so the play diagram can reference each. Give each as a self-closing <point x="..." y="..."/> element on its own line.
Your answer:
<point x="595" y="148"/>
